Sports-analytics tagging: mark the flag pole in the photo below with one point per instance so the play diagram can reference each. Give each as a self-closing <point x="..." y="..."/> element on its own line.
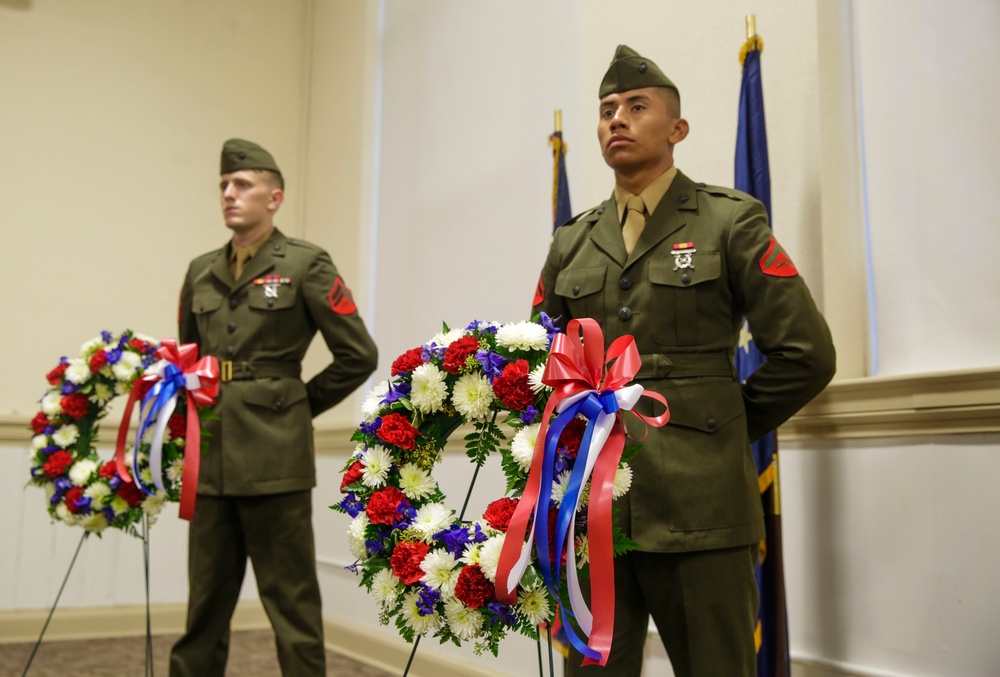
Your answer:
<point x="751" y="26"/>
<point x="558" y="119"/>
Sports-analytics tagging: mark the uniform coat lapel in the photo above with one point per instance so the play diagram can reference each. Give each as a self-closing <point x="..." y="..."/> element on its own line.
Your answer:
<point x="668" y="217"/>
<point x="607" y="233"/>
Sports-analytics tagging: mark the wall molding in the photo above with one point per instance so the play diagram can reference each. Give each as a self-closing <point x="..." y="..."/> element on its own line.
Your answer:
<point x="942" y="403"/>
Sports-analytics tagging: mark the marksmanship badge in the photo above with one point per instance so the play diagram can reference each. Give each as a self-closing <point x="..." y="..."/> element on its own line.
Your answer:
<point x="682" y="255"/>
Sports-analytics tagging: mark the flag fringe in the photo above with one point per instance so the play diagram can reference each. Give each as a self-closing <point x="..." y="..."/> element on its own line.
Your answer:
<point x="754" y="44"/>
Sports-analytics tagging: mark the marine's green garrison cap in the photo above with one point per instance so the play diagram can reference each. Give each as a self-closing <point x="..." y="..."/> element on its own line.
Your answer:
<point x="239" y="154"/>
<point x="630" y="70"/>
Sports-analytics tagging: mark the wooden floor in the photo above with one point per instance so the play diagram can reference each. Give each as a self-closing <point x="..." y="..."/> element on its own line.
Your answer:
<point x="251" y="654"/>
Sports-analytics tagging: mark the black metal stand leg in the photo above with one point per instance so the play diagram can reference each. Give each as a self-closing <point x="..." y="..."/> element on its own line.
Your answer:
<point x="413" y="653"/>
<point x="149" y="625"/>
<point x="538" y="643"/>
<point x="548" y="633"/>
<point x="55" y="604"/>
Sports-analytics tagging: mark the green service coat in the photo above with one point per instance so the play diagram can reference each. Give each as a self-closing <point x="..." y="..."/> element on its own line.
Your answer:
<point x="263" y="440"/>
<point x="694" y="483"/>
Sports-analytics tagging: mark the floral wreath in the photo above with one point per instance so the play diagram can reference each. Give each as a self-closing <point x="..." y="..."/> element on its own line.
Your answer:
<point x="435" y="573"/>
<point x="82" y="489"/>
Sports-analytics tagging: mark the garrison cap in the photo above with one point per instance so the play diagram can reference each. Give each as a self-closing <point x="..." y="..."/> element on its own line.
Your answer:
<point x="630" y="70"/>
<point x="239" y="154"/>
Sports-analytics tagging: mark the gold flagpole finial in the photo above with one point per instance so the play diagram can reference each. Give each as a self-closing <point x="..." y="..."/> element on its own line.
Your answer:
<point x="751" y="26"/>
<point x="558" y="119"/>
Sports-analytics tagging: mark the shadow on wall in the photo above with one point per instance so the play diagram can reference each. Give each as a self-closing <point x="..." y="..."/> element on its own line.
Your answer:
<point x="16" y="4"/>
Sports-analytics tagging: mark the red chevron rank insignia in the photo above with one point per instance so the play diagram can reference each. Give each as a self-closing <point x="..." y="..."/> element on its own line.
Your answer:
<point x="539" y="292"/>
<point x="341" y="301"/>
<point x="775" y="261"/>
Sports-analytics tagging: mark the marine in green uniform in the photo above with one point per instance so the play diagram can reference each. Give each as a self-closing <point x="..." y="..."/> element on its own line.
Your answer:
<point x="256" y="304"/>
<point x="678" y="264"/>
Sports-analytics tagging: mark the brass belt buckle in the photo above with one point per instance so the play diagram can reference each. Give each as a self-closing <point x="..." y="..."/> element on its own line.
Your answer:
<point x="226" y="374"/>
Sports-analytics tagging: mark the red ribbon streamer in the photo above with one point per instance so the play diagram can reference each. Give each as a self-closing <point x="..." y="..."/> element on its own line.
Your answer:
<point x="185" y="357"/>
<point x="577" y="364"/>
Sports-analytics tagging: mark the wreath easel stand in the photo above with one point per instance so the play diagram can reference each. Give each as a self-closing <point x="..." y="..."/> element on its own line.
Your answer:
<point x="149" y="626"/>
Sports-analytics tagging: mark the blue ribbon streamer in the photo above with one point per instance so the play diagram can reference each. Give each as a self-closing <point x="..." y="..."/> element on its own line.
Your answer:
<point x="162" y="391"/>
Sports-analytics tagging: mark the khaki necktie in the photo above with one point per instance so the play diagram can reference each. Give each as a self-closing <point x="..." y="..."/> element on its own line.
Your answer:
<point x="242" y="256"/>
<point x="635" y="221"/>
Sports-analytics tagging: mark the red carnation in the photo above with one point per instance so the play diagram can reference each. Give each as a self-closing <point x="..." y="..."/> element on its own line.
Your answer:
<point x="408" y="361"/>
<point x="406" y="559"/>
<point x="499" y="512"/>
<point x="57" y="463"/>
<point x="383" y="504"/>
<point x="352" y="475"/>
<point x="513" y="387"/>
<point x="473" y="589"/>
<point x="75" y="406"/>
<point x="131" y="493"/>
<point x="109" y="470"/>
<point x="98" y="360"/>
<point x="72" y="496"/>
<point x="138" y="345"/>
<point x="40" y="422"/>
<point x="396" y="429"/>
<point x="458" y="353"/>
<point x="178" y="426"/>
<point x="55" y="376"/>
<point x="572" y="436"/>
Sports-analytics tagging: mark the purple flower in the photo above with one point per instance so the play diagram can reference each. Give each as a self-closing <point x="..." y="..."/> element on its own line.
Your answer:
<point x="406" y="514"/>
<point x="351" y="505"/>
<point x="49" y="429"/>
<point x="106" y="336"/>
<point x="396" y="391"/>
<point x="353" y="567"/>
<point x="528" y="417"/>
<point x="501" y="613"/>
<point x="115" y="482"/>
<point x="493" y="364"/>
<point x="109" y="514"/>
<point x="68" y="388"/>
<point x="374" y="546"/>
<point x="455" y="538"/>
<point x="114" y="355"/>
<point x="62" y="485"/>
<point x="479" y="536"/>
<point x="370" y="428"/>
<point x="433" y="352"/>
<point x="49" y="449"/>
<point x="427" y="599"/>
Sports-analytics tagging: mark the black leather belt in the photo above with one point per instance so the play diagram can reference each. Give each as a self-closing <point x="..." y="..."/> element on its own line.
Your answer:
<point x="245" y="371"/>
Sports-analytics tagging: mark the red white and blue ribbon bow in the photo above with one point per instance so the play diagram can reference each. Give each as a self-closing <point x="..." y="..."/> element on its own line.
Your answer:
<point x="585" y="382"/>
<point x="178" y="370"/>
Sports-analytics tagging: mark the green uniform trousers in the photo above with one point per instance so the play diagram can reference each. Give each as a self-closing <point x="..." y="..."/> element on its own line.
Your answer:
<point x="704" y="604"/>
<point x="275" y="532"/>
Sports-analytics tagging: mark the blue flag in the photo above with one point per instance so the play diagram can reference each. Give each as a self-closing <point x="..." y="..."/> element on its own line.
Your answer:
<point x="561" y="211"/>
<point x="753" y="177"/>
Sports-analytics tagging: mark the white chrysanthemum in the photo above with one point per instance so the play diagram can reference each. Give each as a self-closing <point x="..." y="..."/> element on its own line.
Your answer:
<point x="535" y="380"/>
<point x="63" y="513"/>
<point x="466" y="623"/>
<point x="175" y="471"/>
<point x="473" y="396"/>
<point x="98" y="493"/>
<point x="52" y="404"/>
<point x="523" y="336"/>
<point x="385" y="588"/>
<point x="443" y="340"/>
<point x="91" y="346"/>
<point x="77" y="372"/>
<point x="124" y="369"/>
<point x="81" y="471"/>
<point x="377" y="462"/>
<point x="432" y="518"/>
<point x="121" y="388"/>
<point x="415" y="482"/>
<point x="471" y="554"/>
<point x="39" y="442"/>
<point x="119" y="505"/>
<point x="95" y="522"/>
<point x="429" y="390"/>
<point x="441" y="570"/>
<point x="153" y="504"/>
<point x="533" y="605"/>
<point x="356" y="536"/>
<point x="489" y="556"/>
<point x="66" y="435"/>
<point x="623" y="481"/>
<point x="373" y="401"/>
<point x="582" y="550"/>
<point x="411" y="615"/>
<point x="559" y="487"/>
<point x="146" y="475"/>
<point x="522" y="448"/>
<point x="102" y="392"/>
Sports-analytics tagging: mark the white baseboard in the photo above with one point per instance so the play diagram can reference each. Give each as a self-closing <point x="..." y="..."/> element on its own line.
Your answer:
<point x="809" y="666"/>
